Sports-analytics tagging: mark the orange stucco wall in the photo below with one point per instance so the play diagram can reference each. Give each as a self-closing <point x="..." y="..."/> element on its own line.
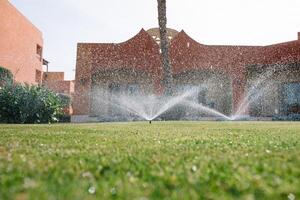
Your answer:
<point x="18" y="44"/>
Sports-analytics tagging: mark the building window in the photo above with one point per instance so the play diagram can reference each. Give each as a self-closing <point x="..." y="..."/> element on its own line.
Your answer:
<point x="202" y="96"/>
<point x="38" y="76"/>
<point x="132" y="89"/>
<point x="114" y="88"/>
<point x="39" y="52"/>
<point x="291" y="98"/>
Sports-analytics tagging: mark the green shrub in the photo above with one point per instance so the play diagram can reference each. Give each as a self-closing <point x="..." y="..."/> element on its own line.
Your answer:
<point x="66" y="102"/>
<point x="29" y="104"/>
<point x="65" y="99"/>
<point x="5" y="76"/>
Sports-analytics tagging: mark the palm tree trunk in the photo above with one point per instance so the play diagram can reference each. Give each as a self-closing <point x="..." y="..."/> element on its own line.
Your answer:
<point x="167" y="71"/>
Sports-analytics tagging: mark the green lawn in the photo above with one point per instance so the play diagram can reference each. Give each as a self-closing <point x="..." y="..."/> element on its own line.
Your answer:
<point x="139" y="161"/>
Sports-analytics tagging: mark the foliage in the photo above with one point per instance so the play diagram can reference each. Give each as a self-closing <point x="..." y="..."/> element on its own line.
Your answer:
<point x="65" y="99"/>
<point x="29" y="104"/>
<point x="66" y="102"/>
<point x="164" y="160"/>
<point x="5" y="76"/>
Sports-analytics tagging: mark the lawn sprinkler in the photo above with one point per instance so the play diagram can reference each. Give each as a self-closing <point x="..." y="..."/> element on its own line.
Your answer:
<point x="150" y="121"/>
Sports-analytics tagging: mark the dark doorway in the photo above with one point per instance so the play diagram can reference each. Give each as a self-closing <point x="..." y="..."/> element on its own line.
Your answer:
<point x="291" y="98"/>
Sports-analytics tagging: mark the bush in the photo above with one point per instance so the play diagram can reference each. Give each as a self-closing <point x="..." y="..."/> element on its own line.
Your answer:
<point x="5" y="76"/>
<point x="66" y="101"/>
<point x="29" y="104"/>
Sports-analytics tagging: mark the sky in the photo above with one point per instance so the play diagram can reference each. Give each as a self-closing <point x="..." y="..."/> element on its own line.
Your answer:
<point x="64" y="23"/>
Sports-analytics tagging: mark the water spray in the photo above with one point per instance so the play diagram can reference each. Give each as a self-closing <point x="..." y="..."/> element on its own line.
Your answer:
<point x="150" y="107"/>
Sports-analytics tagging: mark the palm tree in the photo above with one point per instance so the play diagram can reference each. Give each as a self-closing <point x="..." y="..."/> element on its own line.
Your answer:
<point x="167" y="71"/>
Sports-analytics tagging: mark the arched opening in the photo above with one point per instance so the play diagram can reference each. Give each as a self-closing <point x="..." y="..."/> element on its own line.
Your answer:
<point x="215" y="92"/>
<point x="273" y="90"/>
<point x="108" y="86"/>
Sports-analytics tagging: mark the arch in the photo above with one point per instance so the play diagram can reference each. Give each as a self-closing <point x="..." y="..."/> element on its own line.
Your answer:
<point x="216" y="88"/>
<point x="108" y="84"/>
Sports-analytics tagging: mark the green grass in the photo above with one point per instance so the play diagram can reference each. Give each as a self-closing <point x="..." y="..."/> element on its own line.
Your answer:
<point x="165" y="160"/>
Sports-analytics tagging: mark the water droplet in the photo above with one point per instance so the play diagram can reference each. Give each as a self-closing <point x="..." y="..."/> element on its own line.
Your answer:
<point x="268" y="151"/>
<point x="23" y="157"/>
<point x="129" y="174"/>
<point x="92" y="190"/>
<point x="29" y="183"/>
<point x="291" y="196"/>
<point x="113" y="191"/>
<point x="87" y="175"/>
<point x="194" y="168"/>
<point x="143" y="198"/>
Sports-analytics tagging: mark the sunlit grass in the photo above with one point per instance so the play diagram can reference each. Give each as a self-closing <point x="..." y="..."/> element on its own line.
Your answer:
<point x="165" y="160"/>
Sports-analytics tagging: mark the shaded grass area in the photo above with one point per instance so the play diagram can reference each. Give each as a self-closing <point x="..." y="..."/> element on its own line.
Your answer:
<point x="165" y="160"/>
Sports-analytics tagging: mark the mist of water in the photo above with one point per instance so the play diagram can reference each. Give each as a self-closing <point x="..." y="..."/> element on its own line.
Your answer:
<point x="206" y="109"/>
<point x="150" y="107"/>
<point x="258" y="88"/>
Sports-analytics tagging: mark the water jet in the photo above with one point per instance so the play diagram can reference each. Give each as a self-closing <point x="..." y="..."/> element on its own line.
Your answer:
<point x="196" y="102"/>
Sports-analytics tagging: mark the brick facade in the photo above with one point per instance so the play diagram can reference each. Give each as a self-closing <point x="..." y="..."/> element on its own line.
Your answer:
<point x="56" y="82"/>
<point x="141" y="54"/>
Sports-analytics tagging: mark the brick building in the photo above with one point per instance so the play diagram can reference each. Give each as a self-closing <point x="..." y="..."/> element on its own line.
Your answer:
<point x="55" y="81"/>
<point x="230" y="70"/>
<point x="21" y="45"/>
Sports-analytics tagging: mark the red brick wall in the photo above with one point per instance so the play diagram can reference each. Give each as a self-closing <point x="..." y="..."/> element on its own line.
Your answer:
<point x="142" y="53"/>
<point x="18" y="44"/>
<point x="53" y="76"/>
<point x="62" y="87"/>
<point x="55" y="82"/>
